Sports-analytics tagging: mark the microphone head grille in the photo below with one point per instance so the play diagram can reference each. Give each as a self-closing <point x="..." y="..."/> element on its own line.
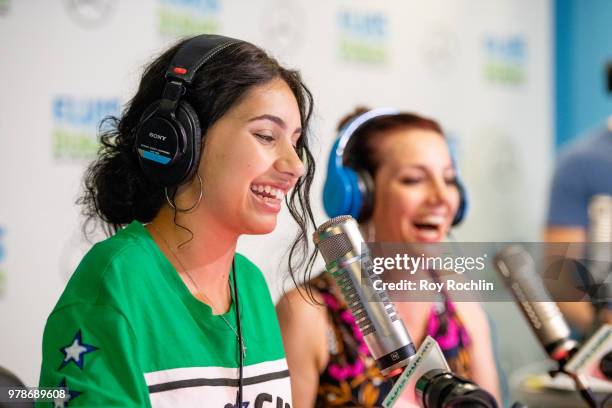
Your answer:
<point x="600" y="219"/>
<point x="332" y="222"/>
<point x="335" y="247"/>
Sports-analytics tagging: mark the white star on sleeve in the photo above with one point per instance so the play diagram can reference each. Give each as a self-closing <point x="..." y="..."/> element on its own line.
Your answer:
<point x="74" y="351"/>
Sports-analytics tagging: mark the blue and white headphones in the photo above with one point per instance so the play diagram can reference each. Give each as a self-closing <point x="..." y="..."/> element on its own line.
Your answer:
<point x="348" y="191"/>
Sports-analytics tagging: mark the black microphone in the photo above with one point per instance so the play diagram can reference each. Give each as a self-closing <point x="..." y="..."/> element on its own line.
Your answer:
<point x="442" y="389"/>
<point x="517" y="268"/>
<point x="606" y="365"/>
<point x="346" y="254"/>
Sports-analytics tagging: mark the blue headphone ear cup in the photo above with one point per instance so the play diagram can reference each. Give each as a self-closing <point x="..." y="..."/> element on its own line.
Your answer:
<point x="337" y="192"/>
<point x="341" y="187"/>
<point x="463" y="204"/>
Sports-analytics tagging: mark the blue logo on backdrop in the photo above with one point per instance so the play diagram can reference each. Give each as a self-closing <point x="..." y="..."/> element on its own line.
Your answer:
<point x="2" y="271"/>
<point x="363" y="36"/>
<point x="75" y="125"/>
<point x="179" y="18"/>
<point x="505" y="59"/>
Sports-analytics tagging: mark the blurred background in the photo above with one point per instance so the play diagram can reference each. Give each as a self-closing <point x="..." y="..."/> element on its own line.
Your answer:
<point x="511" y="81"/>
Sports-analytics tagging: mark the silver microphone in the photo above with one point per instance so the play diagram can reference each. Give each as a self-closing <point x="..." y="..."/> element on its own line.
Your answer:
<point x="518" y="270"/>
<point x="600" y="219"/>
<point x="599" y="247"/>
<point x="345" y="253"/>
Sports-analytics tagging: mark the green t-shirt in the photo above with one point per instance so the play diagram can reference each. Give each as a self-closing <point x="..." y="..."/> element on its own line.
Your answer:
<point x="127" y="332"/>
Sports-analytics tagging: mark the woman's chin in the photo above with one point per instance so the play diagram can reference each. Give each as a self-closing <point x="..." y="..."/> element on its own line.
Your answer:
<point x="261" y="226"/>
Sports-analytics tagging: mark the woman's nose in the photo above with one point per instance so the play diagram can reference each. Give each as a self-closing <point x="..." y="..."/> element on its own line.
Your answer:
<point x="289" y="162"/>
<point x="438" y="192"/>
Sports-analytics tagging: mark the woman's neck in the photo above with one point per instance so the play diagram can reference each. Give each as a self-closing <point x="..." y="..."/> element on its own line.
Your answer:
<point x="201" y="250"/>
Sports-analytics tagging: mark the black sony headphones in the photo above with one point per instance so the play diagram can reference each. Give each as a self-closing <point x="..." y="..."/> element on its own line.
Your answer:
<point x="169" y="137"/>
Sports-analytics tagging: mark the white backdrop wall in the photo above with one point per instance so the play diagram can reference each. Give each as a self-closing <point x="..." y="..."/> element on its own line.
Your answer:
<point x="481" y="67"/>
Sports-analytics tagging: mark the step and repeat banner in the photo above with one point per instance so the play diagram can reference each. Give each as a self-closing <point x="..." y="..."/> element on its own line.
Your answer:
<point x="480" y="67"/>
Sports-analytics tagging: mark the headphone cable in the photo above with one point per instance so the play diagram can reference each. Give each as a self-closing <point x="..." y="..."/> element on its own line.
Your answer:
<point x="240" y="341"/>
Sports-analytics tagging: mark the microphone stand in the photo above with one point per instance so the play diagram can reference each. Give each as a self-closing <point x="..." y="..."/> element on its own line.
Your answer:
<point x="583" y="389"/>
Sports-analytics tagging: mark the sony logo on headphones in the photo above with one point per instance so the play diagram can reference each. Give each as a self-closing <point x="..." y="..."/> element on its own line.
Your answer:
<point x="156" y="136"/>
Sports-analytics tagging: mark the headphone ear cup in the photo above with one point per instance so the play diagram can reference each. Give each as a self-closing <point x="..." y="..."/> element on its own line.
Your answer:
<point x="168" y="147"/>
<point x="187" y="123"/>
<point x="341" y="187"/>
<point x="337" y="192"/>
<point x="148" y="113"/>
<point x="157" y="145"/>
<point x="367" y="190"/>
<point x="356" y="196"/>
<point x="187" y="118"/>
<point x="463" y="204"/>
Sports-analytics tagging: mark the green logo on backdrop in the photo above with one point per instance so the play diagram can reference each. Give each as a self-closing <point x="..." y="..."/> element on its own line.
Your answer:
<point x="362" y="36"/>
<point x="178" y="24"/>
<point x="509" y="74"/>
<point x="179" y="18"/>
<point x="74" y="145"/>
<point x="351" y="50"/>
<point x="505" y="59"/>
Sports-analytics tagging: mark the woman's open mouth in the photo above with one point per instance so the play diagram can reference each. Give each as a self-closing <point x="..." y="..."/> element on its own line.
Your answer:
<point x="268" y="196"/>
<point x="430" y="229"/>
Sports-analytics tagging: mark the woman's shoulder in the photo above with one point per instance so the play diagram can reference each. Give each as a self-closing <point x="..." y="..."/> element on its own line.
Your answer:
<point x="108" y="266"/>
<point x="301" y="302"/>
<point x="247" y="270"/>
<point x="300" y="308"/>
<point x="303" y="318"/>
<point x="469" y="309"/>
<point x="245" y="264"/>
<point x="110" y="251"/>
<point x="127" y="247"/>
<point x="473" y="317"/>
